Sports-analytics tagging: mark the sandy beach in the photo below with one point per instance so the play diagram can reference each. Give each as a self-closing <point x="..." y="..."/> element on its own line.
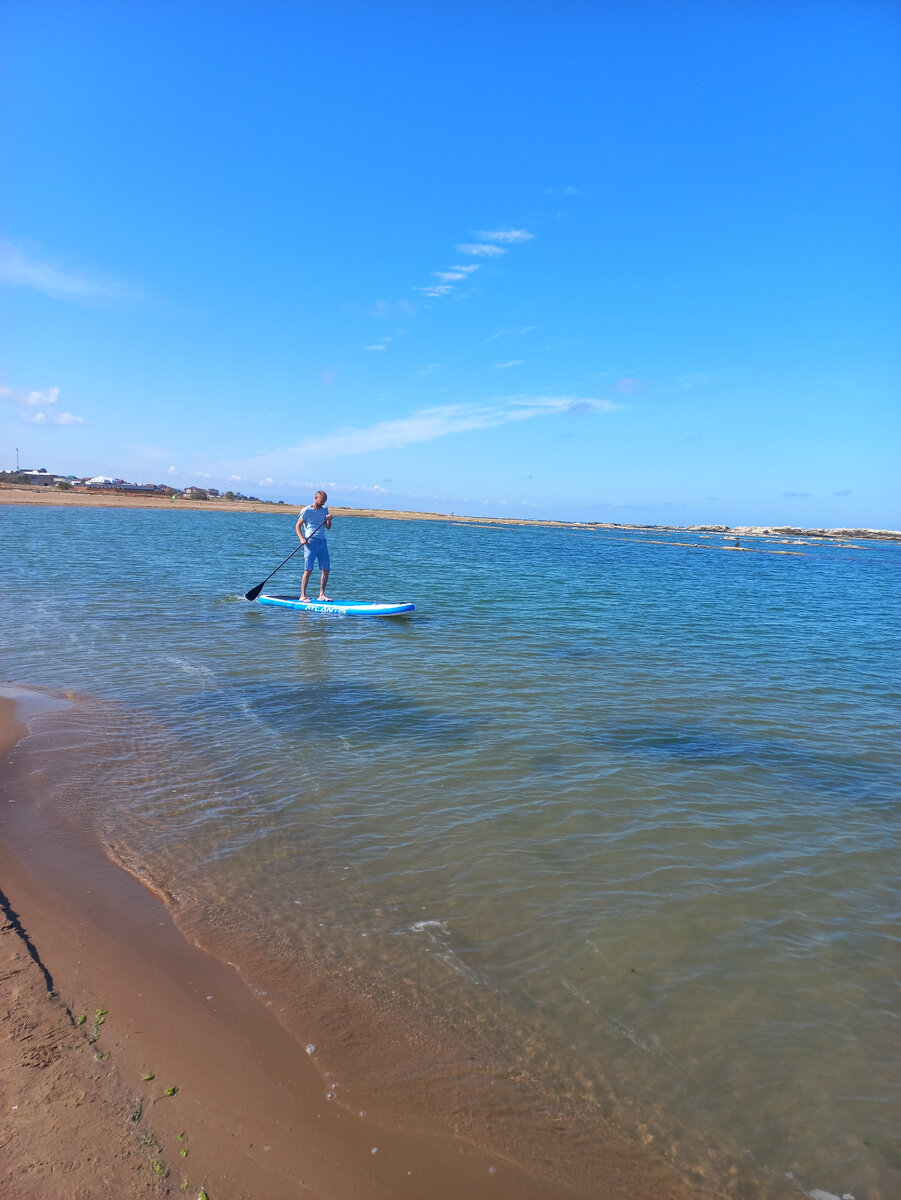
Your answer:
<point x="10" y="494"/>
<point x="13" y="494"/>
<point x="134" y="1063"/>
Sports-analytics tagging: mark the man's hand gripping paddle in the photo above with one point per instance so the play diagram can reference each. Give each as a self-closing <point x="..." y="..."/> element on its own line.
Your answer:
<point x="255" y="591"/>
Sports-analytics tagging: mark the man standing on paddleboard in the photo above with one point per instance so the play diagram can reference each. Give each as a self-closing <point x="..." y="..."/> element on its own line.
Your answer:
<point x="310" y="527"/>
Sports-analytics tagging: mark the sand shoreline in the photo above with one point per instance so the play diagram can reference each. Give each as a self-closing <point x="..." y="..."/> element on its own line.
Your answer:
<point x="50" y="497"/>
<point x="250" y="1107"/>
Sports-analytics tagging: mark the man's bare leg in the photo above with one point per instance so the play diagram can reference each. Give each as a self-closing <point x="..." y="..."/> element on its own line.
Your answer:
<point x="322" y="582"/>
<point x="305" y="579"/>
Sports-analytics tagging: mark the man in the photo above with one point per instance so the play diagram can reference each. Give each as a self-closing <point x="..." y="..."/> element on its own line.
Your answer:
<point x="310" y="525"/>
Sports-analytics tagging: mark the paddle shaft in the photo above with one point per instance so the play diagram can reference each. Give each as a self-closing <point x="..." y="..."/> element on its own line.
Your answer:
<point x="254" y="592"/>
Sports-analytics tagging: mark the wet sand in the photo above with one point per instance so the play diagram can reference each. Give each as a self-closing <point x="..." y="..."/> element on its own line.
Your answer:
<point x="125" y="1046"/>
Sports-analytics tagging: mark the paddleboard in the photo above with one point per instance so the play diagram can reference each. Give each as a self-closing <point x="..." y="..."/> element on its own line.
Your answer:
<point x="336" y="608"/>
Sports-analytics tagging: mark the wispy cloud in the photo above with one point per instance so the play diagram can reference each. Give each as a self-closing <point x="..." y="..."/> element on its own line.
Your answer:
<point x="38" y="407"/>
<point x="507" y="332"/>
<point x="426" y="425"/>
<point x="374" y="488"/>
<point x="566" y="404"/>
<point x="563" y="191"/>
<point x="381" y="344"/>
<point x="43" y="418"/>
<point x="25" y="267"/>
<point x="795" y="495"/>
<point x="488" y="248"/>
<point x="481" y="249"/>
<point x="435" y="289"/>
<point x="627" y="385"/>
<point x="514" y="362"/>
<point x="506" y="235"/>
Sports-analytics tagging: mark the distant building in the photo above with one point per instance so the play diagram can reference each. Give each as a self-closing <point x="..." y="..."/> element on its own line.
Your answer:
<point x="40" y="476"/>
<point x="105" y="483"/>
<point x="195" y="493"/>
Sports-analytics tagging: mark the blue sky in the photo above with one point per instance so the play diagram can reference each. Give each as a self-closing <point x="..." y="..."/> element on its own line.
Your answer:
<point x="604" y="261"/>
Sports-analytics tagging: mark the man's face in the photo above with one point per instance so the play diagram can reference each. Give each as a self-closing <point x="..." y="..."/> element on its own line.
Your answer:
<point x="319" y="499"/>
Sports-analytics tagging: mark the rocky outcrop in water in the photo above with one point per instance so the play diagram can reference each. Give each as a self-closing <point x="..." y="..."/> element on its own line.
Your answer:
<point x="881" y="535"/>
<point x="875" y="535"/>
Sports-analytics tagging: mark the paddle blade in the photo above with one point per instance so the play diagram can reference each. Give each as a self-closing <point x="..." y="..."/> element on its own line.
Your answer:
<point x="254" y="592"/>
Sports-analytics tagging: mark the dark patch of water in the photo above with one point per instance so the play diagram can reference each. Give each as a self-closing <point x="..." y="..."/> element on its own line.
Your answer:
<point x="357" y="710"/>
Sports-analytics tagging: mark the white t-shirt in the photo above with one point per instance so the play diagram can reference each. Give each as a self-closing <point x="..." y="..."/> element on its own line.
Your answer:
<point x="314" y="521"/>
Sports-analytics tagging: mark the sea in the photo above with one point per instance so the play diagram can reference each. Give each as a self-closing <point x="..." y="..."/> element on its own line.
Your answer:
<point x="598" y="843"/>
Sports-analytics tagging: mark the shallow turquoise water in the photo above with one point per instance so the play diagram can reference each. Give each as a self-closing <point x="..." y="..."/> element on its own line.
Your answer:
<point x="620" y="815"/>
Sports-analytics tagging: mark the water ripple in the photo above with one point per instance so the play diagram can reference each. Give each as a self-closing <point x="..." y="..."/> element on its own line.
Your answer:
<point x="637" y="844"/>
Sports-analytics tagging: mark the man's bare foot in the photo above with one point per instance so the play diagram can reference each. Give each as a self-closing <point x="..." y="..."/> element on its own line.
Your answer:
<point x="304" y="599"/>
<point x="327" y="599"/>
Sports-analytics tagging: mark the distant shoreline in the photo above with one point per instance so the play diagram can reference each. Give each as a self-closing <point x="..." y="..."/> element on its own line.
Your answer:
<point x="13" y="494"/>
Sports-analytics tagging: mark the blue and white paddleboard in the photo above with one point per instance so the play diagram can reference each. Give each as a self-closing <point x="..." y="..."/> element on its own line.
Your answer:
<point x="336" y="608"/>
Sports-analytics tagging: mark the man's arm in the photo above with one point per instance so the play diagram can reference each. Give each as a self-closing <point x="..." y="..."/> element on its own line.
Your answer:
<point x="298" y="529"/>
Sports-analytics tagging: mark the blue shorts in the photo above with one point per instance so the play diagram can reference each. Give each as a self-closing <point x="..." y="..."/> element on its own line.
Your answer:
<point x="315" y="550"/>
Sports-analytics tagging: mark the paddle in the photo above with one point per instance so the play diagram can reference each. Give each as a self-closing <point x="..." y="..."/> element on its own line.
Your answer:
<point x="254" y="592"/>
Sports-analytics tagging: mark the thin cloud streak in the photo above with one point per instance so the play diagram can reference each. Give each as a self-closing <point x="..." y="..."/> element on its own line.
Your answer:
<point x="507" y="332"/>
<point x="488" y="248"/>
<point x="21" y="268"/>
<point x="435" y="289"/>
<point x="426" y="425"/>
<point x="506" y="235"/>
<point x="480" y="250"/>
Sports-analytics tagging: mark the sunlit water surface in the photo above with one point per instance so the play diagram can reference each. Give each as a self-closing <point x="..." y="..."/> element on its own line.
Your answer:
<point x="601" y="838"/>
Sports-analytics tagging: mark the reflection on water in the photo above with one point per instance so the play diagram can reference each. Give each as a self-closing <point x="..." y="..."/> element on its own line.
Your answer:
<point x="620" y="861"/>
